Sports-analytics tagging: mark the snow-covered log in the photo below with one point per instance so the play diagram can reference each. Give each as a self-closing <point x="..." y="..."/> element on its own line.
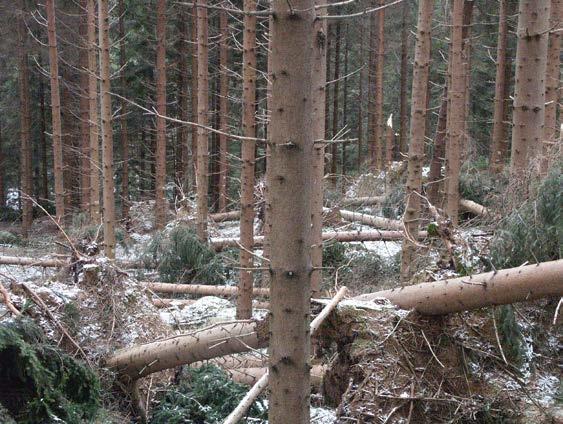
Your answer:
<point x="501" y="287"/>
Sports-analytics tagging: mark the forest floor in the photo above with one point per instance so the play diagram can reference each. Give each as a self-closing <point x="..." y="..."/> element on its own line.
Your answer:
<point x="384" y="365"/>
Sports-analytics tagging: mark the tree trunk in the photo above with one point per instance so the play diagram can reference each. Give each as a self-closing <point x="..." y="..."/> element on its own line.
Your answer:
<point x="552" y="94"/>
<point x="2" y="168"/>
<point x="244" y="299"/>
<point x="380" y="59"/>
<point x="218" y="340"/>
<point x="318" y="99"/>
<point x="456" y="113"/>
<point x="290" y="203"/>
<point x="93" y="110"/>
<point x="195" y="113"/>
<point x="182" y="172"/>
<point x="55" y="111"/>
<point x="520" y="284"/>
<point x="107" y="131"/>
<point x="123" y="120"/>
<point x="345" y="104"/>
<point x="361" y="77"/>
<point x="496" y="161"/>
<point x="529" y="89"/>
<point x="372" y="64"/>
<point x="413" y="188"/>
<point x="224" y="109"/>
<point x="44" y="180"/>
<point x="335" y="98"/>
<point x="202" y="119"/>
<point x="84" y="117"/>
<point x="403" y="119"/>
<point x="466" y="54"/>
<point x="160" y="154"/>
<point x="26" y="183"/>
<point x="435" y="174"/>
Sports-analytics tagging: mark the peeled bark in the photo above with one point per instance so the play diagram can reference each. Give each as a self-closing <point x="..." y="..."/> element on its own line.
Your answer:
<point x="317" y="168"/>
<point x="456" y="113"/>
<point x="246" y="276"/>
<point x="290" y="203"/>
<point x="496" y="161"/>
<point x="55" y="111"/>
<point x="223" y="109"/>
<point x="25" y="122"/>
<point x="202" y="119"/>
<point x="107" y="131"/>
<point x="529" y="87"/>
<point x="520" y="284"/>
<point x="413" y="189"/>
<point x="124" y="134"/>
<point x="219" y="340"/>
<point x="201" y="289"/>
<point x="552" y="82"/>
<point x="160" y="154"/>
<point x="93" y="112"/>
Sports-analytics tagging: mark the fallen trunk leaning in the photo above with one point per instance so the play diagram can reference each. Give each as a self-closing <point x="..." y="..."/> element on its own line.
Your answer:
<point x="218" y="340"/>
<point x="501" y="287"/>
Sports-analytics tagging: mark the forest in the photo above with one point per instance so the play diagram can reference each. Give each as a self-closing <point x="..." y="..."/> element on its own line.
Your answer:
<point x="280" y="211"/>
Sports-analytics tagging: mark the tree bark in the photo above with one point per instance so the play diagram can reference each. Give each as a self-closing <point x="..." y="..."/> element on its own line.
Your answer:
<point x="93" y="112"/>
<point x="372" y="64"/>
<point x="379" y="123"/>
<point x="2" y="168"/>
<point x="361" y="78"/>
<point x="345" y="105"/>
<point x="219" y="340"/>
<point x="182" y="172"/>
<point x="529" y="89"/>
<point x="456" y="113"/>
<point x="123" y="120"/>
<point x="319" y="68"/>
<point x="55" y="111"/>
<point x="335" y="98"/>
<point x="246" y="276"/>
<point x="496" y="161"/>
<point x="435" y="174"/>
<point x="84" y="117"/>
<point x="44" y="180"/>
<point x="224" y="110"/>
<point x="26" y="183"/>
<point x="202" y="119"/>
<point x="160" y="154"/>
<point x="290" y="203"/>
<point x="552" y="80"/>
<point x="520" y="284"/>
<point x="107" y="131"/>
<point x="466" y="54"/>
<point x="413" y="188"/>
<point x="403" y="119"/>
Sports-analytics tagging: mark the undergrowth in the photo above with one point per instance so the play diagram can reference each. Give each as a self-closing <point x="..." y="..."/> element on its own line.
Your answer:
<point x="204" y="395"/>
<point x="476" y="183"/>
<point x="181" y="257"/>
<point x="393" y="205"/>
<point x="39" y="382"/>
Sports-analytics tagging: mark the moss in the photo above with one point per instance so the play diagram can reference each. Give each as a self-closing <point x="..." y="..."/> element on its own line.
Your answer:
<point x="44" y="384"/>
<point x="204" y="396"/>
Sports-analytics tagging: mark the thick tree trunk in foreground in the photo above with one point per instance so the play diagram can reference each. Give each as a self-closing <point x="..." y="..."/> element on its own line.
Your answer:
<point x="55" y="111"/>
<point x="552" y="82"/>
<point x="26" y="183"/>
<point x="496" y="161"/>
<point x="318" y="99"/>
<point x="219" y="340"/>
<point x="403" y="119"/>
<point x="160" y="156"/>
<point x="501" y="287"/>
<point x="124" y="134"/>
<point x="202" y="110"/>
<point x="290" y="203"/>
<point x="456" y="113"/>
<point x="93" y="113"/>
<point x="413" y="189"/>
<point x="107" y="131"/>
<point x="246" y="276"/>
<point x="223" y="109"/>
<point x="529" y="86"/>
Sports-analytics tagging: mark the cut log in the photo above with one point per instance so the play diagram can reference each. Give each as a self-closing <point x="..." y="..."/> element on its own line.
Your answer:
<point x="374" y="221"/>
<point x="23" y="261"/>
<point x="361" y="201"/>
<point x="218" y="340"/>
<point x="501" y="287"/>
<point x="473" y="207"/>
<point x="201" y="289"/>
<point x="342" y="236"/>
<point x="225" y="216"/>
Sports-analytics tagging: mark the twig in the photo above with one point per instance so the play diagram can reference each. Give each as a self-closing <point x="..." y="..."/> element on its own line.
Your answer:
<point x="39" y="302"/>
<point x="8" y="302"/>
<point x="431" y="350"/>
<point x="498" y="338"/>
<point x="556" y="315"/>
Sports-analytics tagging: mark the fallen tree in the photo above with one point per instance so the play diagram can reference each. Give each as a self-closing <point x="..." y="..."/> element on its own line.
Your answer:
<point x="361" y="201"/>
<point x="249" y="376"/>
<point x="24" y="261"/>
<point x="501" y="287"/>
<point x="374" y="221"/>
<point x="225" y="216"/>
<point x="201" y="289"/>
<point x="473" y="207"/>
<point x="165" y="303"/>
<point x="342" y="236"/>
<point x="211" y="342"/>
